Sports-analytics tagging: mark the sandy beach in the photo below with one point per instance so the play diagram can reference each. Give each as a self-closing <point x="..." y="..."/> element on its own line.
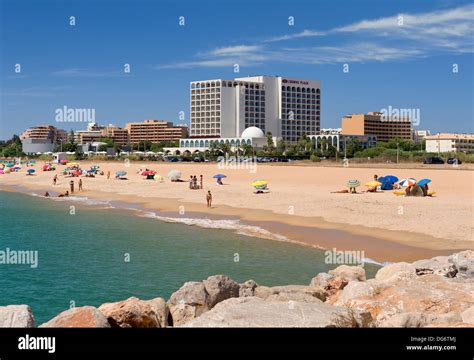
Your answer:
<point x="299" y="206"/>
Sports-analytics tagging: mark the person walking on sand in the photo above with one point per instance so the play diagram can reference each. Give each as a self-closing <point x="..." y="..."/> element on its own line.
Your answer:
<point x="55" y="179"/>
<point x="108" y="175"/>
<point x="195" y="182"/>
<point x="190" y="181"/>
<point x="200" y="182"/>
<point x="71" y="185"/>
<point x="80" y="184"/>
<point x="209" y="198"/>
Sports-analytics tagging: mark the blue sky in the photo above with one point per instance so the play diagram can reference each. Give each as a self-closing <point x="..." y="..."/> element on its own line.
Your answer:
<point x="403" y="62"/>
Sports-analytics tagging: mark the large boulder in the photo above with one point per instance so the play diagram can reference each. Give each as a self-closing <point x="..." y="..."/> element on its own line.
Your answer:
<point x="219" y="288"/>
<point x="417" y="319"/>
<point x="136" y="313"/>
<point x="16" y="316"/>
<point x="349" y="273"/>
<point x="257" y="312"/>
<point x="80" y="317"/>
<point x="247" y="288"/>
<point x="190" y="301"/>
<point x="430" y="294"/>
<point x="291" y="292"/>
<point x="459" y="265"/>
<point x="331" y="284"/>
<point x="464" y="262"/>
<point x="468" y="316"/>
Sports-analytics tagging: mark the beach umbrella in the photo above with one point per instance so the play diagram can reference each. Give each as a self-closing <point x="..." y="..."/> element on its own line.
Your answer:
<point x="7" y="171"/>
<point x="407" y="182"/>
<point x="353" y="183"/>
<point x="10" y="165"/>
<point x="1" y="172"/>
<point x="382" y="179"/>
<point x="391" y="178"/>
<point x="174" y="174"/>
<point x="259" y="183"/>
<point x="424" y="182"/>
<point x="120" y="173"/>
<point x="159" y="178"/>
<point x="30" y="171"/>
<point x="219" y="176"/>
<point x="373" y="184"/>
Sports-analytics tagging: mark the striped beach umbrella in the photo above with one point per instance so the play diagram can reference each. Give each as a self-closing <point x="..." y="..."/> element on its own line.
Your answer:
<point x="353" y="183"/>
<point x="407" y="182"/>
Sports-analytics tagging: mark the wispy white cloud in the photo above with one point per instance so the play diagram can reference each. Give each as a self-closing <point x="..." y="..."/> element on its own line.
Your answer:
<point x="299" y="35"/>
<point x="394" y="38"/>
<point x="244" y="55"/>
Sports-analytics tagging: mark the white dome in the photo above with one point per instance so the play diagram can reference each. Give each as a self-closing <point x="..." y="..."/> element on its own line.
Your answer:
<point x="253" y="132"/>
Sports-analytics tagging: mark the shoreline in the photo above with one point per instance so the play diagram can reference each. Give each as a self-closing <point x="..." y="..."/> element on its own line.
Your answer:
<point x="379" y="245"/>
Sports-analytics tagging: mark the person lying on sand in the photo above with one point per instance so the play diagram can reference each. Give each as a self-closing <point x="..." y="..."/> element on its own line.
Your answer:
<point x="351" y="190"/>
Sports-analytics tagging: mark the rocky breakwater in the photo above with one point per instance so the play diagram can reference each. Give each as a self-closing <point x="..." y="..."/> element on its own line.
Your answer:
<point x="438" y="292"/>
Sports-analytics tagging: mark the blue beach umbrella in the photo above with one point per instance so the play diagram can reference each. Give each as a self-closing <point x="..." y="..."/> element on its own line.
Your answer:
<point x="30" y="171"/>
<point x="424" y="182"/>
<point x="391" y="178"/>
<point x="120" y="173"/>
<point x="219" y="176"/>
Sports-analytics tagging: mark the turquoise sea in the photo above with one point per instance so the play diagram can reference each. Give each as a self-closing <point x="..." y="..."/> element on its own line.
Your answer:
<point x="82" y="257"/>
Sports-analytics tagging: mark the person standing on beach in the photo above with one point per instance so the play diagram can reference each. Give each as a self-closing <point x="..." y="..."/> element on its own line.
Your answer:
<point x="80" y="184"/>
<point x="200" y="181"/>
<point x="195" y="182"/>
<point x="71" y="185"/>
<point x="108" y="175"/>
<point x="55" y="179"/>
<point x="209" y="198"/>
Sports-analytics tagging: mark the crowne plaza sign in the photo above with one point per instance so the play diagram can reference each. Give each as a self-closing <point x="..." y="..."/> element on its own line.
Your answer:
<point x="297" y="82"/>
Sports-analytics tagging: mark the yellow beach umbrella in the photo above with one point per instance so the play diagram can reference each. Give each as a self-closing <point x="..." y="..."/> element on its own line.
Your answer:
<point x="159" y="178"/>
<point x="373" y="184"/>
<point x="259" y="183"/>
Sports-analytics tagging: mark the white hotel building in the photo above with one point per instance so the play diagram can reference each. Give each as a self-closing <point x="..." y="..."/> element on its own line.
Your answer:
<point x="288" y="108"/>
